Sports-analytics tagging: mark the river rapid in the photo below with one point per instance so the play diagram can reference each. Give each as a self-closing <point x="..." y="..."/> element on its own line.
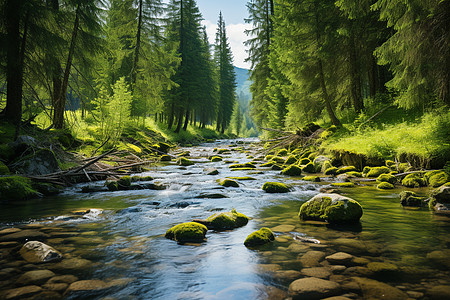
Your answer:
<point x="115" y="243"/>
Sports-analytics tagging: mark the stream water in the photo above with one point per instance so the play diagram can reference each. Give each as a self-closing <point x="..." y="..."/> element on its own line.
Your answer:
<point x="123" y="243"/>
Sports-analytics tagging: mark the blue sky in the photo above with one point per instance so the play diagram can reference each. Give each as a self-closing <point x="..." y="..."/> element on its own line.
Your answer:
<point x="234" y="12"/>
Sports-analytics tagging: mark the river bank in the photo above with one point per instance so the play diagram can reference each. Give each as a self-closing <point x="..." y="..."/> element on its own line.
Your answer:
<point x="117" y="238"/>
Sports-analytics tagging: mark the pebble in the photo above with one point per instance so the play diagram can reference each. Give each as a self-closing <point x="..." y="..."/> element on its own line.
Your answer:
<point x="339" y="258"/>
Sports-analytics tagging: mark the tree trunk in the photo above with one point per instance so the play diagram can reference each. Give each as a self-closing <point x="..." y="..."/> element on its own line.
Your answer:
<point x="171" y="116"/>
<point x="186" y="119"/>
<point x="373" y="77"/>
<point x="355" y="79"/>
<point x="60" y="104"/>
<point x="179" y="121"/>
<point x="14" y="66"/>
<point x="326" y="97"/>
<point x="137" y="48"/>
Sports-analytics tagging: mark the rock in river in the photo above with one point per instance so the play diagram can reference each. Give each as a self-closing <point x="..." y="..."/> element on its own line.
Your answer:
<point x="37" y="252"/>
<point x="20" y="293"/>
<point x="313" y="288"/>
<point x="23" y="235"/>
<point x="259" y="237"/>
<point x="187" y="232"/>
<point x="35" y="277"/>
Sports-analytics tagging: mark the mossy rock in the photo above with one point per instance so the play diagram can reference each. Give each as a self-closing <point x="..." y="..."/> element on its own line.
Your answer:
<point x="377" y="171"/>
<point x="16" y="188"/>
<point x="278" y="159"/>
<point x="216" y="158"/>
<point x="227" y="220"/>
<point x="183" y="161"/>
<point x="4" y="170"/>
<point x="46" y="189"/>
<point x="268" y="164"/>
<point x="354" y="174"/>
<point x="346" y="169"/>
<point x="242" y="169"/>
<point x="275" y="187"/>
<point x="404" y="167"/>
<point x="124" y="182"/>
<point x="243" y="178"/>
<point x="166" y="157"/>
<point x="112" y="185"/>
<point x="269" y="157"/>
<point x="311" y="178"/>
<point x="304" y="161"/>
<point x="292" y="170"/>
<point x="414" y="180"/>
<point x="282" y="152"/>
<point x="222" y="151"/>
<point x="366" y="170"/>
<point x="332" y="208"/>
<point x="164" y="147"/>
<point x="391" y="164"/>
<point x="190" y="232"/>
<point x="184" y="154"/>
<point x="312" y="156"/>
<point x="309" y="168"/>
<point x="141" y="178"/>
<point x="409" y="198"/>
<point x="260" y="237"/>
<point x="290" y="160"/>
<point x="387" y="178"/>
<point x="436" y="178"/>
<point x="276" y="167"/>
<point x="306" y="154"/>
<point x="240" y="166"/>
<point x="228" y="182"/>
<point x="331" y="171"/>
<point x="385" y="186"/>
<point x="326" y="165"/>
<point x="343" y="184"/>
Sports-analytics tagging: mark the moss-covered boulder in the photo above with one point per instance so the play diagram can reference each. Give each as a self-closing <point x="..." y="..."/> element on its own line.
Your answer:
<point x="278" y="159"/>
<point x="216" y="158"/>
<point x="346" y="169"/>
<point x="4" y="170"/>
<point x="311" y="178"/>
<point x="40" y="162"/>
<point x="304" y="161"/>
<point x="112" y="185"/>
<point x="343" y="184"/>
<point x="377" y="171"/>
<point x="268" y="164"/>
<point x="141" y="178"/>
<point x="165" y="157"/>
<point x="292" y="170"/>
<point x="409" y="198"/>
<point x="276" y="167"/>
<point x="191" y="232"/>
<point x="290" y="160"/>
<point x="282" y="152"/>
<point x="275" y="187"/>
<point x="436" y="178"/>
<point x="16" y="188"/>
<point x="331" y="171"/>
<point x="387" y="178"/>
<point x="46" y="189"/>
<point x="124" y="181"/>
<point x="332" y="208"/>
<point x="226" y="220"/>
<point x="440" y="200"/>
<point x="164" y="147"/>
<point x="222" y="151"/>
<point x="385" y="186"/>
<point x="228" y="182"/>
<point x="183" y="161"/>
<point x="404" y="167"/>
<point x="240" y="166"/>
<point x="414" y="180"/>
<point x="269" y="157"/>
<point x="326" y="165"/>
<point x="354" y="174"/>
<point x="309" y="168"/>
<point x="260" y="237"/>
<point x="242" y="178"/>
<point x="7" y="152"/>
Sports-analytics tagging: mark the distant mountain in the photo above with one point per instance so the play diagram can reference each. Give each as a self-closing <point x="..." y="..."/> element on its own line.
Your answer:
<point x="243" y="87"/>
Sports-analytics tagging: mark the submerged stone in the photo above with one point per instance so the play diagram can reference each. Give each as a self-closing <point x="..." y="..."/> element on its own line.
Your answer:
<point x="332" y="208"/>
<point x="313" y="288"/>
<point x="259" y="237"/>
<point x="37" y="252"/>
<point x="35" y="277"/>
<point x="21" y="293"/>
<point x="408" y="198"/>
<point x="187" y="232"/>
<point x="275" y="187"/>
<point x="372" y="289"/>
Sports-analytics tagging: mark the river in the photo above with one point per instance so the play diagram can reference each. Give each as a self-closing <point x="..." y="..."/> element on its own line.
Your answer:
<point x="123" y="244"/>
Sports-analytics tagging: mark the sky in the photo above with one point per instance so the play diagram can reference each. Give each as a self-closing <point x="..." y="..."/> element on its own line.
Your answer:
<point x="234" y="13"/>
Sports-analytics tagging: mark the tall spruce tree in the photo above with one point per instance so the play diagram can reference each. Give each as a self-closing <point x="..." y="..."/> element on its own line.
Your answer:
<point x="226" y="77"/>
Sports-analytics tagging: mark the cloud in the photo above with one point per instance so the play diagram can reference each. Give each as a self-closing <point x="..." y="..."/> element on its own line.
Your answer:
<point x="236" y="38"/>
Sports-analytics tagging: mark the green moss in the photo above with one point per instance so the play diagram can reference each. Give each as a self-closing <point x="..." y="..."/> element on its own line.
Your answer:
<point x="404" y="167"/>
<point x="346" y="169"/>
<point x="184" y="154"/>
<point x="216" y="158"/>
<point x="385" y="186"/>
<point x="240" y="166"/>
<point x="290" y="160"/>
<point x="276" y="167"/>
<point x="343" y="184"/>
<point x="436" y="178"/>
<point x="314" y="210"/>
<point x="311" y="178"/>
<point x="16" y="188"/>
<point x="269" y="157"/>
<point x="4" y="170"/>
<point x="278" y="159"/>
<point x="387" y="178"/>
<point x="112" y="185"/>
<point x="292" y="170"/>
<point x="409" y="198"/>
<point x="275" y="187"/>
<point x="354" y="174"/>
<point x="166" y="157"/>
<point x="282" y="152"/>
<point x="323" y="208"/>
<point x="331" y="171"/>
<point x="260" y="237"/>
<point x="326" y="165"/>
<point x="414" y="180"/>
<point x="228" y="182"/>
<point x="183" y="161"/>
<point x="187" y="232"/>
<point x="222" y="151"/>
<point x="141" y="178"/>
<point x="306" y="154"/>
<point x="366" y="170"/>
<point x="268" y="164"/>
<point x="243" y="178"/>
<point x="309" y="168"/>
<point x="228" y="220"/>
<point x="304" y="161"/>
<point x="377" y="171"/>
<point x="312" y="156"/>
<point x="124" y="181"/>
<point x="242" y="169"/>
<point x="164" y="147"/>
<point x="391" y="164"/>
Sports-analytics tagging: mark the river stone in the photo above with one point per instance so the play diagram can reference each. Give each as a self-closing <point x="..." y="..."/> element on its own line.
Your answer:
<point x="318" y="272"/>
<point x="37" y="252"/>
<point x="24" y="235"/>
<point x="9" y="231"/>
<point x="311" y="258"/>
<point x="340" y="258"/>
<point x="58" y="287"/>
<point x="337" y="298"/>
<point x="440" y="257"/>
<point x="337" y="269"/>
<point x="211" y="171"/>
<point x="72" y="264"/>
<point x="283" y="228"/>
<point x="187" y="232"/>
<point x="372" y="289"/>
<point x="333" y="208"/>
<point x="20" y="293"/>
<point x="288" y="275"/>
<point x="9" y="244"/>
<point x="440" y="292"/>
<point x="382" y="268"/>
<point x="86" y="285"/>
<point x="259" y="237"/>
<point x="37" y="277"/>
<point x="313" y="288"/>
<point x="63" y="279"/>
<point x="355" y="245"/>
<point x="41" y="163"/>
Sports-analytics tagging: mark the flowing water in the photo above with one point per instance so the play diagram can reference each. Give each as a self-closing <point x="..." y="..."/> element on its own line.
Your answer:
<point x="123" y="242"/>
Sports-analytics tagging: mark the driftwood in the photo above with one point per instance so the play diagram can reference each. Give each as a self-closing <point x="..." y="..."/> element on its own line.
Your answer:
<point x="304" y="137"/>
